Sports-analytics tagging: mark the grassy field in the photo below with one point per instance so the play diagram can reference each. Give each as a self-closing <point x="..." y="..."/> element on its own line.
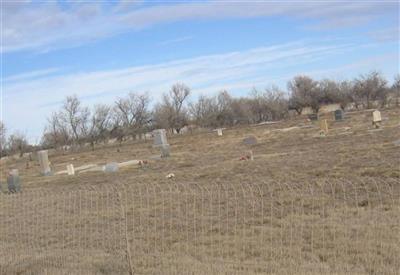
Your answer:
<point x="307" y="204"/>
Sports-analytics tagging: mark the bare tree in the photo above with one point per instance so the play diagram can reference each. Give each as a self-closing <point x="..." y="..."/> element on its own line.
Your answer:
<point x="100" y="123"/>
<point x="276" y="103"/>
<point x="132" y="114"/>
<point x="268" y="105"/>
<point x="304" y="93"/>
<point x="204" y="111"/>
<point x="225" y="114"/>
<point x="17" y="143"/>
<point x="396" y="89"/>
<point x="372" y="86"/>
<point x="258" y="105"/>
<point x="56" y="132"/>
<point x="172" y="112"/>
<point x="76" y="117"/>
<point x="345" y="93"/>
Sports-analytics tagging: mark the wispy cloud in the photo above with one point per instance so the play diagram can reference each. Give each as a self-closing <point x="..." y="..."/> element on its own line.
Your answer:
<point x="175" y="41"/>
<point x="35" y="94"/>
<point x="386" y="35"/>
<point x="29" y="25"/>
<point x="31" y="75"/>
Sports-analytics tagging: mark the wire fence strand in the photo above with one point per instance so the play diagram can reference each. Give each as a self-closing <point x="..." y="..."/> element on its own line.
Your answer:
<point x="330" y="226"/>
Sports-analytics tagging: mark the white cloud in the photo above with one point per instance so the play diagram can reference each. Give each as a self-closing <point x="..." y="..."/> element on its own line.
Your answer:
<point x="175" y="41"/>
<point x="34" y="95"/>
<point x="386" y="35"/>
<point x="28" y="25"/>
<point x="31" y="75"/>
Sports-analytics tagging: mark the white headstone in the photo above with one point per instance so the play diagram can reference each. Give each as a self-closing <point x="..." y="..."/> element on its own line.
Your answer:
<point x="219" y="132"/>
<point x="70" y="170"/>
<point x="44" y="162"/>
<point x="376" y="116"/>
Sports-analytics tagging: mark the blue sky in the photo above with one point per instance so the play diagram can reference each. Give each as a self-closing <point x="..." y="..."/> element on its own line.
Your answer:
<point x="101" y="50"/>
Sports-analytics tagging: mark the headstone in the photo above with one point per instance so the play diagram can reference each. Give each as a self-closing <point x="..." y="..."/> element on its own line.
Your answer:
<point x="111" y="167"/>
<point x="324" y="126"/>
<point x="250" y="140"/>
<point x="160" y="141"/>
<point x="70" y="170"/>
<point x="13" y="181"/>
<point x="339" y="114"/>
<point x="160" y="137"/>
<point x="376" y="116"/>
<point x="219" y="132"/>
<point x="164" y="151"/>
<point x="44" y="162"/>
<point x="313" y="117"/>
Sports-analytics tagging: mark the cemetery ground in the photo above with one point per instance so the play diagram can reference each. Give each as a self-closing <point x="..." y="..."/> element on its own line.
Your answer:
<point x="309" y="203"/>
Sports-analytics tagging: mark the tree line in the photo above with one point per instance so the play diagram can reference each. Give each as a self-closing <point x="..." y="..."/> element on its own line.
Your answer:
<point x="76" y="124"/>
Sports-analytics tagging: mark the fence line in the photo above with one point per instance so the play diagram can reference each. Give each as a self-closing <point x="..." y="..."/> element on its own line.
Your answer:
<point x="325" y="226"/>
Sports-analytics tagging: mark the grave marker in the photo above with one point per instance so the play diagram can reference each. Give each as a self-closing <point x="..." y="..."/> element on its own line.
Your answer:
<point x="324" y="126"/>
<point x="219" y="132"/>
<point x="44" y="162"/>
<point x="376" y="118"/>
<point x="70" y="170"/>
<point x="160" y="137"/>
<point x="165" y="151"/>
<point x="339" y="115"/>
<point x="250" y="140"/>
<point x="251" y="155"/>
<point x="13" y="181"/>
<point x="160" y="141"/>
<point x="111" y="167"/>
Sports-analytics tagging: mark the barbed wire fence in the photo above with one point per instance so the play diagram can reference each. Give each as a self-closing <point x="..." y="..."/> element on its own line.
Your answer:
<point x="330" y="226"/>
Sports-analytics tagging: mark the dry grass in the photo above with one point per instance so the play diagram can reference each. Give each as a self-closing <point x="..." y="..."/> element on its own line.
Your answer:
<point x="306" y="205"/>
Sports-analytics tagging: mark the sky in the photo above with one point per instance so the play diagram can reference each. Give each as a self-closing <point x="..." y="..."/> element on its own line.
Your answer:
<point x="102" y="50"/>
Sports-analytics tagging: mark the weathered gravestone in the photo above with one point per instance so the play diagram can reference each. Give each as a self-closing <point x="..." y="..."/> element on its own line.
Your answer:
<point x="70" y="170"/>
<point x="250" y="140"/>
<point x="165" y="150"/>
<point x="111" y="167"/>
<point x="324" y="126"/>
<point x="13" y="181"/>
<point x="376" y="118"/>
<point x="160" y="141"/>
<point x="339" y="115"/>
<point x="160" y="137"/>
<point x="219" y="132"/>
<point x="44" y="162"/>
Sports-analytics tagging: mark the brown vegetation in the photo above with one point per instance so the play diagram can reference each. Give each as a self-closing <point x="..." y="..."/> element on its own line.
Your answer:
<point x="307" y="204"/>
